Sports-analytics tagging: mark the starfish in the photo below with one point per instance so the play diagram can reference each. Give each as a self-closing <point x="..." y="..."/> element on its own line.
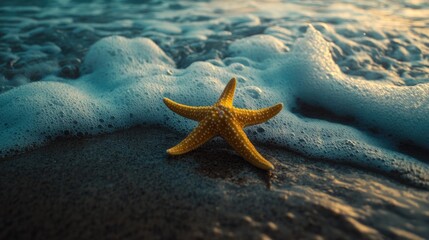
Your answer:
<point x="225" y="120"/>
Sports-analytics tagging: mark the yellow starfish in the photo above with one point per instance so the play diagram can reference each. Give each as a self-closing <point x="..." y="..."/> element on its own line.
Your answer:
<point x="223" y="119"/>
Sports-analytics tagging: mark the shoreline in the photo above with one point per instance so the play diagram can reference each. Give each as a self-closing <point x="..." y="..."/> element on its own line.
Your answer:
<point x="123" y="185"/>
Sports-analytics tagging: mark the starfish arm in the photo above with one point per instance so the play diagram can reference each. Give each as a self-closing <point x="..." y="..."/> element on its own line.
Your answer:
<point x="237" y="138"/>
<point x="194" y="113"/>
<point x="252" y="117"/>
<point x="200" y="135"/>
<point x="227" y="96"/>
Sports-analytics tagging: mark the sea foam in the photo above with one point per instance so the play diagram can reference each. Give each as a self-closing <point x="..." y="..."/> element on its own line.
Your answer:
<point x="124" y="81"/>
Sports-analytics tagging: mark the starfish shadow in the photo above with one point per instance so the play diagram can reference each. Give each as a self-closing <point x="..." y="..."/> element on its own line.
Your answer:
<point x="218" y="161"/>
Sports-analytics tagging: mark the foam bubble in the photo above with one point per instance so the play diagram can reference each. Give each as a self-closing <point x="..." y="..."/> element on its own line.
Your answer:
<point x="384" y="106"/>
<point x="258" y="47"/>
<point x="125" y="79"/>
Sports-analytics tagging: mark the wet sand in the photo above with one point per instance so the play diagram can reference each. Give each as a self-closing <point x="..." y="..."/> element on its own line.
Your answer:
<point x="124" y="186"/>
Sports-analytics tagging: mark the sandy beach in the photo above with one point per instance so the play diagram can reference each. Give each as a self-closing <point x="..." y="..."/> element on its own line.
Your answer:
<point x="124" y="186"/>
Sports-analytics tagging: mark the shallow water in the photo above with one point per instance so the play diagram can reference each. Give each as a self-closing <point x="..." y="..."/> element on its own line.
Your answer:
<point x="355" y="82"/>
<point x="376" y="40"/>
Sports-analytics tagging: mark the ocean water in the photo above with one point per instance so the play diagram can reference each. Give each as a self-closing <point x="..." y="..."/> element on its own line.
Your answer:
<point x="353" y="76"/>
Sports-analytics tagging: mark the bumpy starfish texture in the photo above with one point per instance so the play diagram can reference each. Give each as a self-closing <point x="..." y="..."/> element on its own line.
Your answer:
<point x="223" y="119"/>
